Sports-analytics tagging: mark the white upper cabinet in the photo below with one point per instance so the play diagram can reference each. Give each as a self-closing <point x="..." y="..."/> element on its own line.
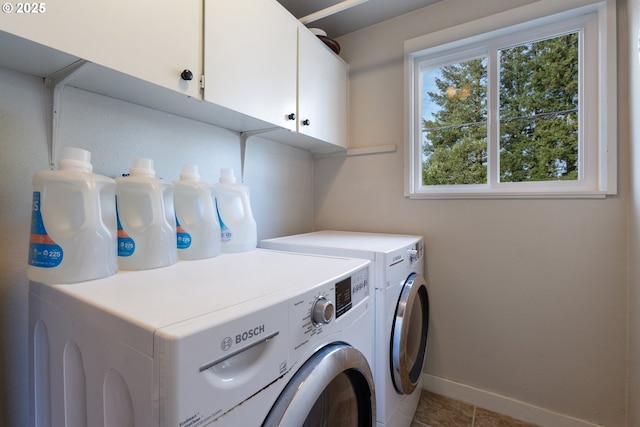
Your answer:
<point x="153" y="40"/>
<point x="261" y="68"/>
<point x="322" y="91"/>
<point x="260" y="61"/>
<point x="250" y="57"/>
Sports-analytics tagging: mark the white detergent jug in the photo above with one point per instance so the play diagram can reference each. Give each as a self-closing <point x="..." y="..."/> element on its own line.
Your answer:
<point x="146" y="219"/>
<point x="197" y="226"/>
<point x="73" y="222"/>
<point x="237" y="226"/>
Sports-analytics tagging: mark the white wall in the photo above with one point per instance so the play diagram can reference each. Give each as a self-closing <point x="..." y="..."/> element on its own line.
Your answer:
<point x="633" y="48"/>
<point x="279" y="176"/>
<point x="528" y="297"/>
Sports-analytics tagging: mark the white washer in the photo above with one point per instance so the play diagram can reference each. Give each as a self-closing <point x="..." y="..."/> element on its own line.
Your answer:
<point x="255" y="338"/>
<point x="401" y="315"/>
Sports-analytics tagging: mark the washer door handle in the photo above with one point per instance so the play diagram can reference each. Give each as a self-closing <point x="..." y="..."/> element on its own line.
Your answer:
<point x="235" y="353"/>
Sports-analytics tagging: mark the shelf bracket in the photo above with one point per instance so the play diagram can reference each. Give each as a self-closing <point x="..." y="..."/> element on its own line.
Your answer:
<point x="55" y="83"/>
<point x="244" y="136"/>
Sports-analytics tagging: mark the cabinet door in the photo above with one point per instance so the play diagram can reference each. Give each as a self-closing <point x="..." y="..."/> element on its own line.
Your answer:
<point x="322" y="91"/>
<point x="150" y="39"/>
<point x="250" y="53"/>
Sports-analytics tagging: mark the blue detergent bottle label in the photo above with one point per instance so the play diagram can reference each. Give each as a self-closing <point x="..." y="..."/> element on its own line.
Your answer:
<point x="225" y="233"/>
<point x="43" y="251"/>
<point x="126" y="245"/>
<point x="184" y="238"/>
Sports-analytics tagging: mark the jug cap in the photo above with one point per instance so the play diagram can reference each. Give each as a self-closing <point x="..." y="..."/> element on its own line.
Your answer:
<point x="189" y="173"/>
<point x="142" y="166"/>
<point x="75" y="158"/>
<point x="227" y="176"/>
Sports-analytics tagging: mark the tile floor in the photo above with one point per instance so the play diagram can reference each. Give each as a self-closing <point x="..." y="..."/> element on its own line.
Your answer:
<point x="439" y="411"/>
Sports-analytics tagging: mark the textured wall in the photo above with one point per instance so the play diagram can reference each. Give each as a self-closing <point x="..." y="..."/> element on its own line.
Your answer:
<point x="632" y="45"/>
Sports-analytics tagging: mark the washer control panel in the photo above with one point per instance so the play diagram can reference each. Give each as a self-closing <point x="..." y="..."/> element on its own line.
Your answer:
<point x="407" y="256"/>
<point x="416" y="252"/>
<point x="323" y="309"/>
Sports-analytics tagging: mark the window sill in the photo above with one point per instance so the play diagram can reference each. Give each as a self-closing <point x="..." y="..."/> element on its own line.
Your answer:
<point x="506" y="195"/>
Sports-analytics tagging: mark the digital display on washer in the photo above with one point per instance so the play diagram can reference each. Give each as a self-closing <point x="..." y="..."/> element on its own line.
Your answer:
<point x="343" y="297"/>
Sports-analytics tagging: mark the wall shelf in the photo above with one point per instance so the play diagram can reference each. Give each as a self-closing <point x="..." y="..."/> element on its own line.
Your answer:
<point x="31" y="58"/>
<point x="360" y="151"/>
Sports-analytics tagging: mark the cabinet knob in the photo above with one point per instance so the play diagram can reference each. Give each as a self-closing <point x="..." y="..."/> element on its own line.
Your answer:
<point x="186" y="75"/>
<point x="306" y="122"/>
<point x="291" y="116"/>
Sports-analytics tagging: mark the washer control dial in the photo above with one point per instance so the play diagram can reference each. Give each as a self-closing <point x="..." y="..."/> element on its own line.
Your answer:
<point x="322" y="311"/>
<point x="415" y="253"/>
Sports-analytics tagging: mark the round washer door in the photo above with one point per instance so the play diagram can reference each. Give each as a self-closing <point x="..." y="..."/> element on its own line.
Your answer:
<point x="409" y="334"/>
<point x="333" y="388"/>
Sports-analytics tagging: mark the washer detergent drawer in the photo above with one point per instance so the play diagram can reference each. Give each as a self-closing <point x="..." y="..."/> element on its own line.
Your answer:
<point x="208" y="365"/>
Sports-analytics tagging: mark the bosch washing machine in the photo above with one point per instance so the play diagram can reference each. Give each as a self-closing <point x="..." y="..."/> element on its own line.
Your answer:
<point x="260" y="338"/>
<point x="401" y="314"/>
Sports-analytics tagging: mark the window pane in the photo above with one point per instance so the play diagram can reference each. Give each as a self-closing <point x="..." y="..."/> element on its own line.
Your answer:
<point x="454" y="123"/>
<point x="539" y="110"/>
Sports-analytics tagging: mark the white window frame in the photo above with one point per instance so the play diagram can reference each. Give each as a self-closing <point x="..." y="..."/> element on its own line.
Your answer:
<point x="598" y="98"/>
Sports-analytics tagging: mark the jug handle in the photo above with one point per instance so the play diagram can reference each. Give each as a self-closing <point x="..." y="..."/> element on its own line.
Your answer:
<point x="246" y="206"/>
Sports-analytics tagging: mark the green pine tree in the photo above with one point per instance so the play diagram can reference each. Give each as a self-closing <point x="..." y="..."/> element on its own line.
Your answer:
<point x="455" y="146"/>
<point x="538" y="116"/>
<point x="539" y="110"/>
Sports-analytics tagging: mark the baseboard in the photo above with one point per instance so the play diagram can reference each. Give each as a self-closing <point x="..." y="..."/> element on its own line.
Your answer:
<point x="500" y="404"/>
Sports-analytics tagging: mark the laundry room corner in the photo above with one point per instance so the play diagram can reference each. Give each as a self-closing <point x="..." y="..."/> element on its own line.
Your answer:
<point x="443" y="213"/>
<point x="529" y="297"/>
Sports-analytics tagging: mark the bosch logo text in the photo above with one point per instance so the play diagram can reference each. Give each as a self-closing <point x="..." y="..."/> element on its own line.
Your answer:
<point x="250" y="334"/>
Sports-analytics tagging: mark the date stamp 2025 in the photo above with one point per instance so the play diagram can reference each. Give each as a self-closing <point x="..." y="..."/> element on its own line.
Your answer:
<point x="24" y="8"/>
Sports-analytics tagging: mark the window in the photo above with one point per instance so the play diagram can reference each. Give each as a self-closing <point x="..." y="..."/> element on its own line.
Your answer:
<point x="522" y="111"/>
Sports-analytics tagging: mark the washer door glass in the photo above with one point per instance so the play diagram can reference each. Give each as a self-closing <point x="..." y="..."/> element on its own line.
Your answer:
<point x="409" y="334"/>
<point x="333" y="388"/>
<point x="337" y="405"/>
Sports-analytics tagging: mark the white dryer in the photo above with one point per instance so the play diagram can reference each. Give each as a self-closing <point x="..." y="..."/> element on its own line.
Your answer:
<point x="247" y="339"/>
<point x="401" y="314"/>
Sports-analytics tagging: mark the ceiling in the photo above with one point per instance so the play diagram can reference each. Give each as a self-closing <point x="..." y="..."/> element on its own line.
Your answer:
<point x="359" y="16"/>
